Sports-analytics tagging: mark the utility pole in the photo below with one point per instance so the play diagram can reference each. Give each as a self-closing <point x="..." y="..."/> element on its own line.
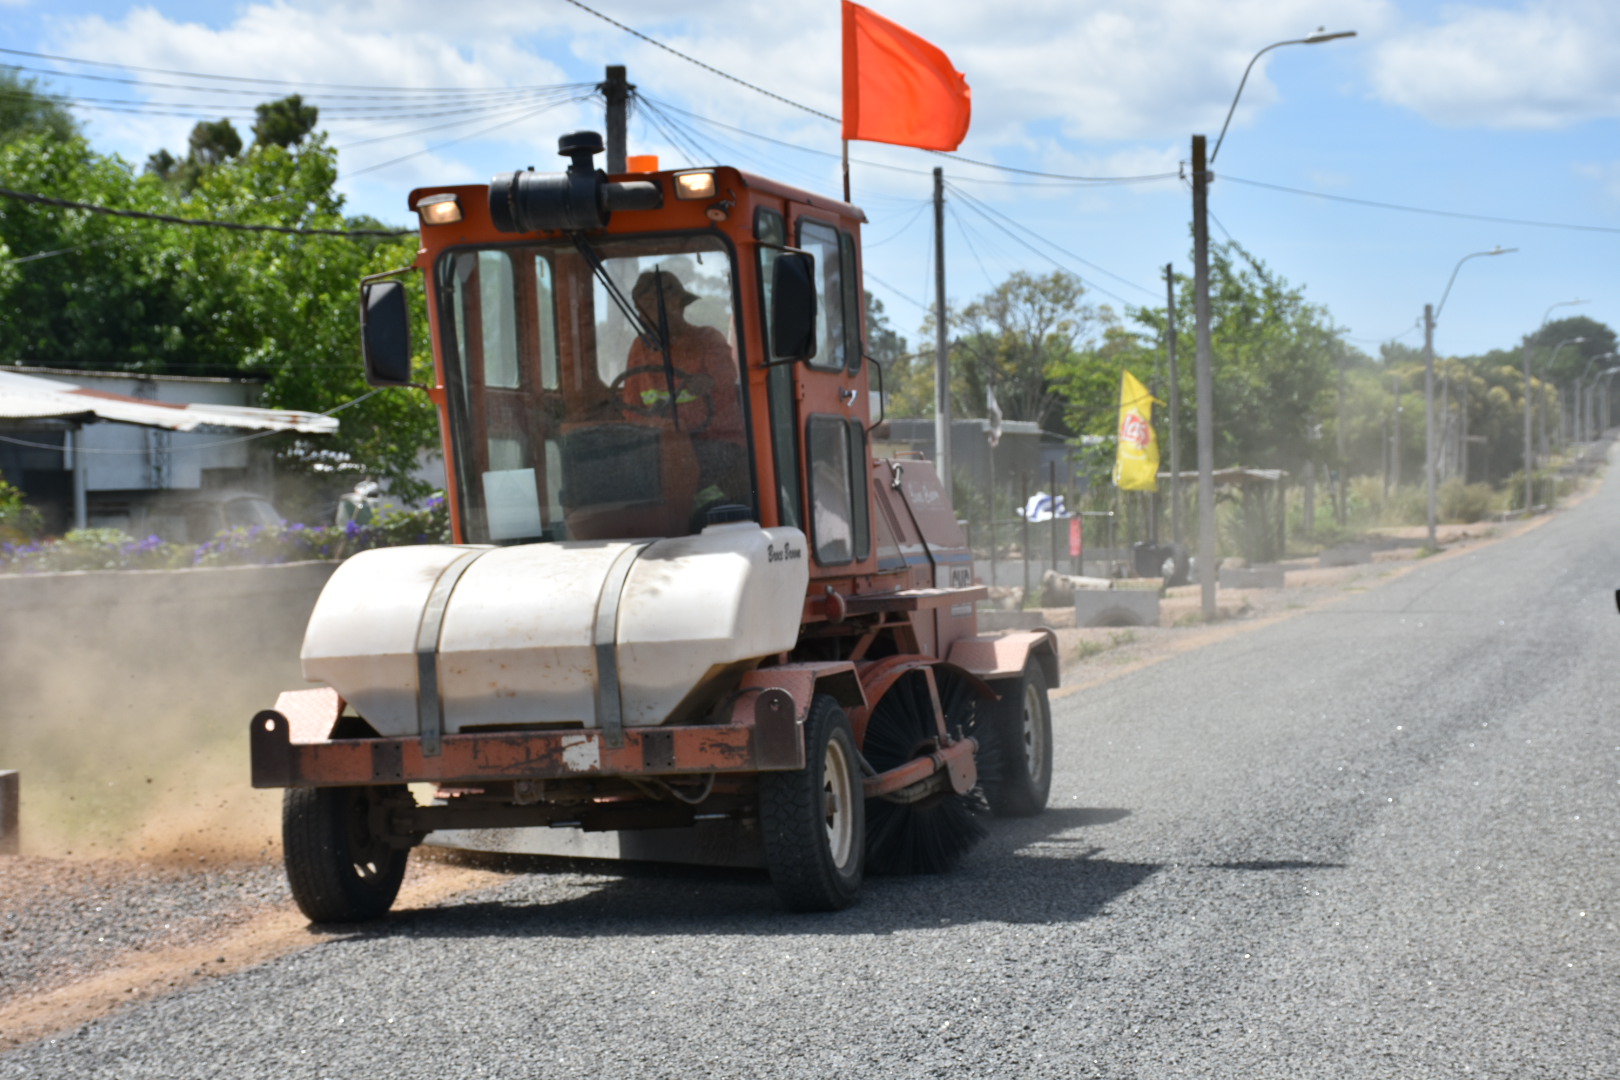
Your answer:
<point x="1529" y="460"/>
<point x="1342" y="509"/>
<point x="1428" y="417"/>
<point x="942" y="373"/>
<point x="616" y="89"/>
<point x="1395" y="439"/>
<point x="1205" y="382"/>
<point x="1176" y="537"/>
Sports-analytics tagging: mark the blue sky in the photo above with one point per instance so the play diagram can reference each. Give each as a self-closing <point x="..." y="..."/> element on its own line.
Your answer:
<point x="1500" y="110"/>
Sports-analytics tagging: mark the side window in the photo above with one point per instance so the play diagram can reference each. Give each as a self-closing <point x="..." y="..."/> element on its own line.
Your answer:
<point x="839" y="502"/>
<point x="770" y="229"/>
<point x="860" y="501"/>
<point x="832" y="346"/>
<point x="852" y="303"/>
<point x="831" y="508"/>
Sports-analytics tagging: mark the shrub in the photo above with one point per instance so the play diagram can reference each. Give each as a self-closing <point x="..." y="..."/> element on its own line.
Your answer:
<point x="1464" y="503"/>
<point x="260" y="545"/>
<point x="19" y="522"/>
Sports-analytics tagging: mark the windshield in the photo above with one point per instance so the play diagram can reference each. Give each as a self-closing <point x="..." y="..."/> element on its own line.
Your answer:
<point x="570" y="421"/>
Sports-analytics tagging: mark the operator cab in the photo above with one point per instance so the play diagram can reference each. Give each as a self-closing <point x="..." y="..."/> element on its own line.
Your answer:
<point x="642" y="356"/>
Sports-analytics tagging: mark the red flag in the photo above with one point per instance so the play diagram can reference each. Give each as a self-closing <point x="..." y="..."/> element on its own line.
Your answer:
<point x="898" y="88"/>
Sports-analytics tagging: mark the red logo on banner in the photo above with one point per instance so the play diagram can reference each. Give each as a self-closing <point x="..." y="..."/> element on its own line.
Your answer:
<point x="1134" y="430"/>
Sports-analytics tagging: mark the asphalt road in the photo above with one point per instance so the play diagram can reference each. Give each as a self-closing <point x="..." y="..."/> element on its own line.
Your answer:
<point x="1373" y="840"/>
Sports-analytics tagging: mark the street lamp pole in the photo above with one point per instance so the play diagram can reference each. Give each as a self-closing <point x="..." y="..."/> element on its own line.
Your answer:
<point x="1430" y="317"/>
<point x="1204" y="375"/>
<point x="1586" y="417"/>
<point x="1529" y="457"/>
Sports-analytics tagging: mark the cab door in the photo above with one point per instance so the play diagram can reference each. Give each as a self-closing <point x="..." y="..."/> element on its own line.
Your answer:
<point x="831" y="388"/>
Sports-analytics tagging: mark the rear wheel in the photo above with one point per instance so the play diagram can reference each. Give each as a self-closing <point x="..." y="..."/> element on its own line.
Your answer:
<point x="1023" y="730"/>
<point x="338" y="867"/>
<point x="813" y="819"/>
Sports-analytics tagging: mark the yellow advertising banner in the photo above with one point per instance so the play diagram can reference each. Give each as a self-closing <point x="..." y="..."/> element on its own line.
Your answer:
<point x="1136" y="465"/>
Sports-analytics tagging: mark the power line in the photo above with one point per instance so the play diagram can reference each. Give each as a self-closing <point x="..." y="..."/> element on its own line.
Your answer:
<point x="985" y="210"/>
<point x="706" y="67"/>
<point x="1425" y="210"/>
<point x="437" y="99"/>
<point x="828" y="116"/>
<point x="242" y="78"/>
<point x="451" y="142"/>
<point x="170" y="219"/>
<point x="967" y="238"/>
<point x="896" y="292"/>
<point x="1091" y="284"/>
<point x="921" y="205"/>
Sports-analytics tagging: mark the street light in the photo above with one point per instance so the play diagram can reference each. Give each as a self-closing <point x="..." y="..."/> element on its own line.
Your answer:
<point x="1529" y="457"/>
<point x="1546" y="367"/>
<point x="1603" y="402"/>
<point x="1430" y="317"/>
<point x="1205" y="381"/>
<point x="1583" y="406"/>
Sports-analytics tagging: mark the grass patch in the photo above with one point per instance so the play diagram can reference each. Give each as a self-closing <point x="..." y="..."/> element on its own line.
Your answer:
<point x="1090" y="647"/>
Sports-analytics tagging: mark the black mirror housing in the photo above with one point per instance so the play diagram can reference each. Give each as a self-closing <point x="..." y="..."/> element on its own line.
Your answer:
<point x="793" y="306"/>
<point x="385" y="333"/>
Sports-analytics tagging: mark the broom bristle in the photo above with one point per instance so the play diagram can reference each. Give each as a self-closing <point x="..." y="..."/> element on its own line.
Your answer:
<point x="931" y="836"/>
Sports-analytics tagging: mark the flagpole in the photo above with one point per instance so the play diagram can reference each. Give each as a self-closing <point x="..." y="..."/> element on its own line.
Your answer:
<point x="846" y="170"/>
<point x="942" y="372"/>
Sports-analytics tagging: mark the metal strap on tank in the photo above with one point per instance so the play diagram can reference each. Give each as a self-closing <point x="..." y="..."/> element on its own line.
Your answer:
<point x="429" y="703"/>
<point x="609" y="703"/>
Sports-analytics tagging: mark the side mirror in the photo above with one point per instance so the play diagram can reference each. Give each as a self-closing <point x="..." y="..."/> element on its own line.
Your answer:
<point x="385" y="333"/>
<point x="793" y="306"/>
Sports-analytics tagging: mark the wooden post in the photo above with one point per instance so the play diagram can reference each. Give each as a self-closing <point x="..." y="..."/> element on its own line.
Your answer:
<point x="10" y="841"/>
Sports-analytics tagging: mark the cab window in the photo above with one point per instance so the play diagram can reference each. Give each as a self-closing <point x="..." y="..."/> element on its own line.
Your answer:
<point x="832" y="339"/>
<point x="771" y="232"/>
<point x="840" y="525"/>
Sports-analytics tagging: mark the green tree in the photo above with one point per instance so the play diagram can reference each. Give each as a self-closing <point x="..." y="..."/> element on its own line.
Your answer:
<point x="26" y="110"/>
<point x="145" y="296"/>
<point x="1015" y="338"/>
<point x="285" y="123"/>
<point x="214" y="142"/>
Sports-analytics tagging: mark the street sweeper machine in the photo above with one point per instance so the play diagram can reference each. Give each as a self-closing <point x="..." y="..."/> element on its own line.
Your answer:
<point x="685" y="603"/>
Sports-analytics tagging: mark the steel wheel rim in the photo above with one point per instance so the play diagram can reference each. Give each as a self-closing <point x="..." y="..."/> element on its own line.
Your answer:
<point x="1034" y="734"/>
<point x="367" y="853"/>
<point x="838" y="804"/>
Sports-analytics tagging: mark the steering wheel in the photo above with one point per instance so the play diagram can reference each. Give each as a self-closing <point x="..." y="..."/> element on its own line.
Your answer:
<point x="694" y="396"/>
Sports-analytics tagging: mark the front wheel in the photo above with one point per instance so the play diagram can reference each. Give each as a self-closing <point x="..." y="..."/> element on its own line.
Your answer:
<point x="338" y="868"/>
<point x="813" y="819"/>
<point x="1023" y="730"/>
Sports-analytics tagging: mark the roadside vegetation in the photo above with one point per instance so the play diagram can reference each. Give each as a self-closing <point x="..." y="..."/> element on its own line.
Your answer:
<point x="260" y="545"/>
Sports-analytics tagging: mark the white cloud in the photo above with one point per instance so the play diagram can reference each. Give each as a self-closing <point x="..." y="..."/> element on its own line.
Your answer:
<point x="1606" y="174"/>
<point x="1543" y="65"/>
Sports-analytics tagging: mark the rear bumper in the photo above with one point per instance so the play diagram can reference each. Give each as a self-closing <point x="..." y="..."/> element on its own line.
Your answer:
<point x="289" y="749"/>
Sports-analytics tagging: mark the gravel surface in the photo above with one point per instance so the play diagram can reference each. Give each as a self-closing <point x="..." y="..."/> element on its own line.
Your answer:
<point x="62" y="919"/>
<point x="1376" y="840"/>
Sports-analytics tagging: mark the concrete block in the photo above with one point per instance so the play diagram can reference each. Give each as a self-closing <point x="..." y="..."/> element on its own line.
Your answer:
<point x="1252" y="577"/>
<point x="1346" y="555"/>
<point x="10" y="841"/>
<point x="1116" y="607"/>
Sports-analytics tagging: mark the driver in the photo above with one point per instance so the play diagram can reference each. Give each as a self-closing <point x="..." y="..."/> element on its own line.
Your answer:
<point x="706" y="389"/>
<point x="699" y="351"/>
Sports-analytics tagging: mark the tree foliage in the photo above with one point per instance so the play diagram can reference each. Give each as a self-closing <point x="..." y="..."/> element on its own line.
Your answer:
<point x="120" y="294"/>
<point x="284" y="123"/>
<point x="1014" y="339"/>
<point x="25" y="109"/>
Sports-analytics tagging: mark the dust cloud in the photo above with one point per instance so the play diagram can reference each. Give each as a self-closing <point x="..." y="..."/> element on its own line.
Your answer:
<point x="125" y="700"/>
